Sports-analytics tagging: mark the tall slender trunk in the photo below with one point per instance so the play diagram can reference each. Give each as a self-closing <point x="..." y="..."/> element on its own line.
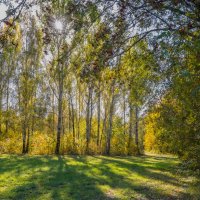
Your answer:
<point x="0" y="113"/>
<point x="60" y="102"/>
<point x="136" y="129"/>
<point x="124" y="111"/>
<point x="88" y="118"/>
<point x="73" y="122"/>
<point x="91" y="112"/>
<point x="104" y="127"/>
<point x="28" y="141"/>
<point x="79" y="113"/>
<point x="53" y="115"/>
<point x="76" y="123"/>
<point x="130" y="126"/>
<point x="63" y="125"/>
<point x="98" y="114"/>
<point x="7" y="105"/>
<point x="110" y="124"/>
<point x="69" y="116"/>
<point x="24" y="137"/>
<point x="32" y="125"/>
<point x="24" y="125"/>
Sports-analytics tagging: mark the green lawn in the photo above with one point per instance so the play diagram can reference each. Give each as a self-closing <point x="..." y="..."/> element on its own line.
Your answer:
<point x="93" y="177"/>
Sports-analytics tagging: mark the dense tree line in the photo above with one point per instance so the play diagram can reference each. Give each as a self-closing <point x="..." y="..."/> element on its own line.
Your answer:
<point x="100" y="77"/>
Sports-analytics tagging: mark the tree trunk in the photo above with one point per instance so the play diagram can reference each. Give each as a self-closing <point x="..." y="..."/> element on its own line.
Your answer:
<point x="7" y="105"/>
<point x="73" y="122"/>
<point x="63" y="125"/>
<point x="99" y="115"/>
<point x="104" y="127"/>
<point x="130" y="126"/>
<point x="60" y="101"/>
<point x="69" y="116"/>
<point x="88" y="119"/>
<point x="24" y="125"/>
<point x="79" y="113"/>
<point x="32" y="125"/>
<point x="28" y="141"/>
<point x="53" y="116"/>
<point x="109" y="131"/>
<point x="0" y="113"/>
<point x="91" y="111"/>
<point x="124" y="111"/>
<point x="24" y="138"/>
<point x="136" y="129"/>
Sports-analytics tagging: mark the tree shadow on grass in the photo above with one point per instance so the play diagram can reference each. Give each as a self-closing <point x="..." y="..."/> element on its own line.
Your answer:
<point x="60" y="181"/>
<point x="74" y="178"/>
<point x="148" y="172"/>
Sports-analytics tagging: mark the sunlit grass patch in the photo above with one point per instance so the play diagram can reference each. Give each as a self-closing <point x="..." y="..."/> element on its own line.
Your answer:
<point x="93" y="177"/>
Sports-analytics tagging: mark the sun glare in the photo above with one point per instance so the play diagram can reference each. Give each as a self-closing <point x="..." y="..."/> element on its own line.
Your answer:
<point x="58" y="25"/>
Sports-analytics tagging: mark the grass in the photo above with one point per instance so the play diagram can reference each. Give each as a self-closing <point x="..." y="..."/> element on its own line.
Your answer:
<point x="93" y="177"/>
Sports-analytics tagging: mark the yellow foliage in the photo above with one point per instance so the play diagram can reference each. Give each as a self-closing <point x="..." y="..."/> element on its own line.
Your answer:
<point x="150" y="128"/>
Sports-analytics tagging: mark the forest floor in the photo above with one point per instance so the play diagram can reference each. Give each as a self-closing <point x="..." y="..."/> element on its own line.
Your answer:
<point x="94" y="177"/>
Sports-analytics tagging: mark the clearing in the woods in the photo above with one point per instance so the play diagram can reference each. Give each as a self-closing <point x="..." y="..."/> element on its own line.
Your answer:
<point x="94" y="177"/>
